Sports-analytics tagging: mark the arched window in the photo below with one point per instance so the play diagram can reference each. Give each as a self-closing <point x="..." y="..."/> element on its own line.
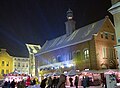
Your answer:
<point x="54" y="60"/>
<point x="59" y="58"/>
<point x="86" y="54"/>
<point x="73" y="54"/>
<point x="78" y="53"/>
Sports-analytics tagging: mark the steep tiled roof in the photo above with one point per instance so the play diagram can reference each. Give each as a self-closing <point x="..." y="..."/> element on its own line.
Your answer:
<point x="78" y="36"/>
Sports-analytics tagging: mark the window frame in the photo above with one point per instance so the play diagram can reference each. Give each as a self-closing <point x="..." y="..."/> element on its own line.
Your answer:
<point x="106" y="35"/>
<point x="3" y="63"/>
<point x="78" y="53"/>
<point x="86" y="54"/>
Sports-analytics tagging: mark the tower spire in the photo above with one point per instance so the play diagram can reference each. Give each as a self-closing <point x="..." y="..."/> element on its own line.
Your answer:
<point x="69" y="14"/>
<point x="70" y="23"/>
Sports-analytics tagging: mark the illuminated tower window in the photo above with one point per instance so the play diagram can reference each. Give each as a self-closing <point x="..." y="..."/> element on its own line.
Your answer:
<point x="86" y="54"/>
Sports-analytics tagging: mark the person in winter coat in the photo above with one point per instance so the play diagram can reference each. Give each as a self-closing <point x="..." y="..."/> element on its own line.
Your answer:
<point x="62" y="80"/>
<point x="43" y="83"/>
<point x="13" y="84"/>
<point x="5" y="84"/>
<point x="71" y="82"/>
<point x="85" y="81"/>
<point x="76" y="81"/>
<point x="28" y="81"/>
<point x="50" y="81"/>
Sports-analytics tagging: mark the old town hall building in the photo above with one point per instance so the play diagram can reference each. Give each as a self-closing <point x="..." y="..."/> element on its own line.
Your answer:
<point x="90" y="47"/>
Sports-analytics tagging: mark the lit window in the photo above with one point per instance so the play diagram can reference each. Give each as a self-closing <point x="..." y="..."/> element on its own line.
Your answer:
<point x="106" y="35"/>
<point x="86" y="54"/>
<point x="7" y="64"/>
<point x="3" y="63"/>
<point x="104" y="52"/>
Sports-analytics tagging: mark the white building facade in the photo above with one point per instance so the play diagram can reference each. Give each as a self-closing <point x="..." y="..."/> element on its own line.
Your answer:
<point x="21" y="65"/>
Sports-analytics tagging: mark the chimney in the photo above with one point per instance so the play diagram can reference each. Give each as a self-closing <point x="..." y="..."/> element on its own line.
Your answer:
<point x="70" y="24"/>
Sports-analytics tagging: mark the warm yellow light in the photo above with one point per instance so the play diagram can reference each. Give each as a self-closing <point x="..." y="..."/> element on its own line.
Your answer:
<point x="62" y="66"/>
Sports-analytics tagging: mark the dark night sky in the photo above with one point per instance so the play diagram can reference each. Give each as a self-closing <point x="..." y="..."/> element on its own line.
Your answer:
<point x="35" y="21"/>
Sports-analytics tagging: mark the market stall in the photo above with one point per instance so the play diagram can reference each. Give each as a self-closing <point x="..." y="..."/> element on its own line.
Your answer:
<point x="16" y="76"/>
<point x="94" y="77"/>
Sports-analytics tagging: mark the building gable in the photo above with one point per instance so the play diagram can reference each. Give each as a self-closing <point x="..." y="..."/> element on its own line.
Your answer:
<point x="78" y="36"/>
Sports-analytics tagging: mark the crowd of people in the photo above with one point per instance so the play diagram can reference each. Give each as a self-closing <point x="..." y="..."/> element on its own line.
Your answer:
<point x="51" y="82"/>
<point x="20" y="84"/>
<point x="60" y="82"/>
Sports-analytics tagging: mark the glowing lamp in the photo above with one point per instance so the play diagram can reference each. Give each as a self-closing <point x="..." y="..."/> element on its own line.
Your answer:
<point x="62" y="66"/>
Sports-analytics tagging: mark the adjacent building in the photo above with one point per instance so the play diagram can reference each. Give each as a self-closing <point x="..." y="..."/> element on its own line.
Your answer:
<point x="6" y="62"/>
<point x="32" y="49"/>
<point x="21" y="65"/>
<point x="115" y="11"/>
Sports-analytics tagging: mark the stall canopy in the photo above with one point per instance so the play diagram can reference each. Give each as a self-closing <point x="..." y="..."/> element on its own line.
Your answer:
<point x="90" y="71"/>
<point x="72" y="73"/>
<point x="101" y="71"/>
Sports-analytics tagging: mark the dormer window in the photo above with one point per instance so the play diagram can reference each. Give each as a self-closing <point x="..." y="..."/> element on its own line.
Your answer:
<point x="106" y="35"/>
<point x="112" y="37"/>
<point x="101" y="35"/>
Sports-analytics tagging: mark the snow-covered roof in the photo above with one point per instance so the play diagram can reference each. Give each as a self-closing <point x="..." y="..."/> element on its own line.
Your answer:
<point x="115" y="6"/>
<point x="78" y="36"/>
